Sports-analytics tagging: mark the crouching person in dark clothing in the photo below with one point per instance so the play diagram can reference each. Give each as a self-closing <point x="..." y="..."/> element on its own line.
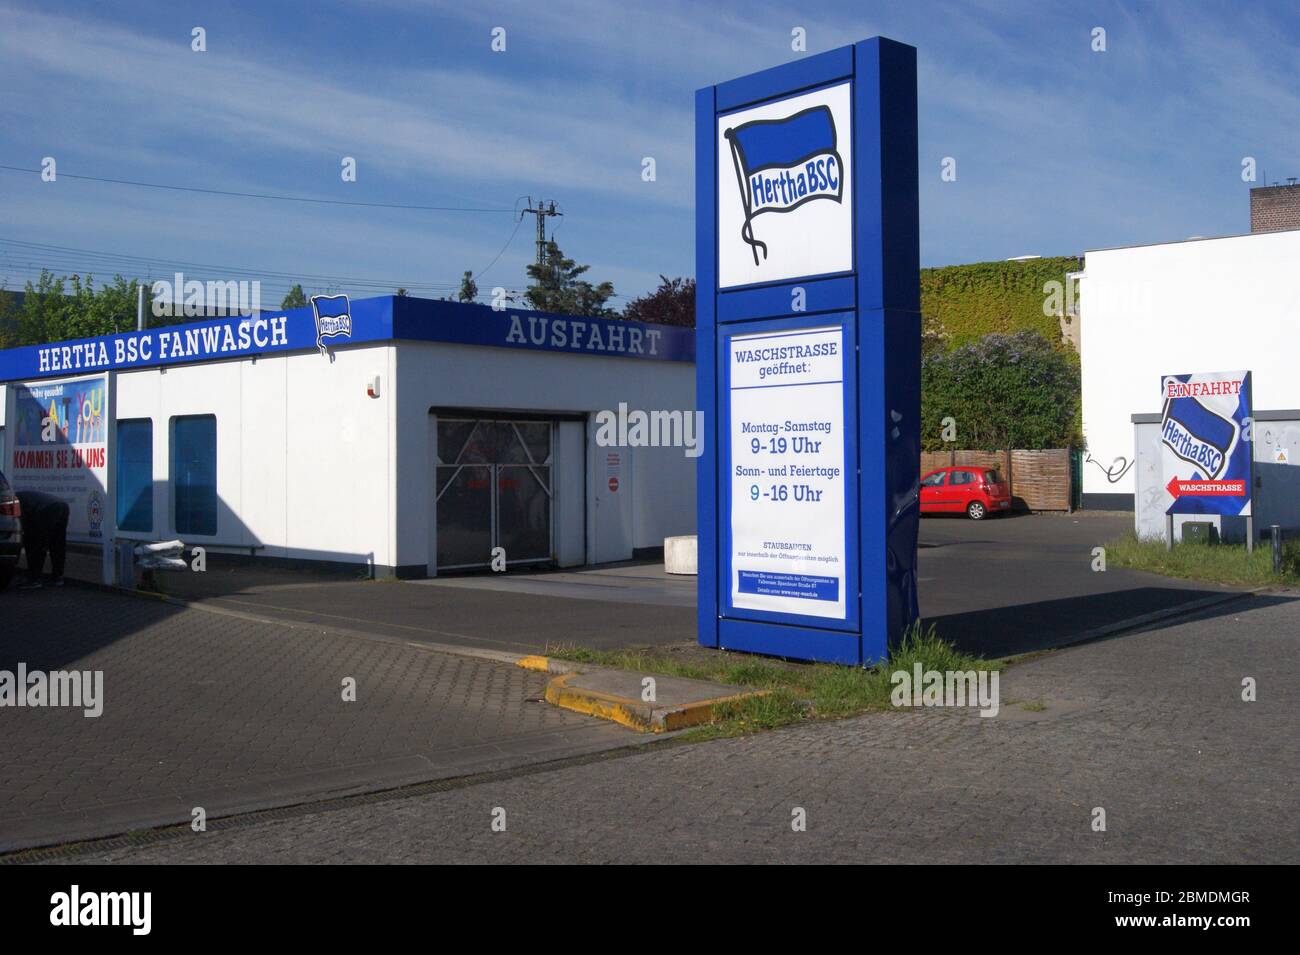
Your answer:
<point x="45" y="529"/>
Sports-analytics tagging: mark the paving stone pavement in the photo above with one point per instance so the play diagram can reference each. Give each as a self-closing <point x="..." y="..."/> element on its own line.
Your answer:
<point x="1149" y="726"/>
<point x="212" y="710"/>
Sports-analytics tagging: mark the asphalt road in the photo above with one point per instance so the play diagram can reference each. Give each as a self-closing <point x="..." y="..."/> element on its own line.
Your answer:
<point x="1150" y="727"/>
<point x="1026" y="582"/>
<point x="993" y="587"/>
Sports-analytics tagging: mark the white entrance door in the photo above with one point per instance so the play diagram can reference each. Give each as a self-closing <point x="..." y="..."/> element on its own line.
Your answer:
<point x="612" y="479"/>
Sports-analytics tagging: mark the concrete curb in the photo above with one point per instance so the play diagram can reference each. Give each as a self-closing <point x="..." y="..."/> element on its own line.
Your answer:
<point x="632" y="712"/>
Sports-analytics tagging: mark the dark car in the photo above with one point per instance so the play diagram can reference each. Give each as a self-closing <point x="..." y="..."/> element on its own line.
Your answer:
<point x="11" y="531"/>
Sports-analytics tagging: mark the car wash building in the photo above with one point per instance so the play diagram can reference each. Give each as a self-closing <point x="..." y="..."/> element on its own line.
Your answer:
<point x="410" y="436"/>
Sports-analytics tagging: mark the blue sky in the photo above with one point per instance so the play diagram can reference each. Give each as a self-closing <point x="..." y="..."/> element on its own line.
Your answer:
<point x="1059" y="149"/>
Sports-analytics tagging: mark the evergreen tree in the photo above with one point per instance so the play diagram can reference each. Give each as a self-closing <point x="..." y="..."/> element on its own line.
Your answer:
<point x="468" y="288"/>
<point x="557" y="287"/>
<point x="296" y="298"/>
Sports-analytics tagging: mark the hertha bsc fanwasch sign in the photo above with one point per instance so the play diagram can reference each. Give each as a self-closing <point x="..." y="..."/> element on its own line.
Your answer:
<point x="1205" y="442"/>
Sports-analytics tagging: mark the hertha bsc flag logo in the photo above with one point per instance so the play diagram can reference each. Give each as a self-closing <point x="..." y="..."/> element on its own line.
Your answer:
<point x="783" y="163"/>
<point x="784" y="181"/>
<point x="333" y="315"/>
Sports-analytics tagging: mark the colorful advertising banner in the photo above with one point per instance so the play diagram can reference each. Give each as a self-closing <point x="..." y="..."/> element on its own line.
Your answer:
<point x="60" y="446"/>
<point x="1206" y="446"/>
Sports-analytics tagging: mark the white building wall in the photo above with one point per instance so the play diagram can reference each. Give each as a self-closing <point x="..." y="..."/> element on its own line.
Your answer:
<point x="339" y="503"/>
<point x="302" y="453"/>
<point x="1205" y="305"/>
<point x="461" y="376"/>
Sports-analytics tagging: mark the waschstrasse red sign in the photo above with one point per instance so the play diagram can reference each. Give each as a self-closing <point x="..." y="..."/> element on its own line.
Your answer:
<point x="1177" y="488"/>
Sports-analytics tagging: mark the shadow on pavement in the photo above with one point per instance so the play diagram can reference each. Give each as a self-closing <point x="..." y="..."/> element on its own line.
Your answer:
<point x="1023" y="628"/>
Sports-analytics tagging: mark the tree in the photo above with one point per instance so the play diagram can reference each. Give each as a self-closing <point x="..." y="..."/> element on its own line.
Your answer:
<point x="57" y="308"/>
<point x="1003" y="391"/>
<point x="296" y="298"/>
<point x="672" y="303"/>
<point x="468" y="288"/>
<point x="557" y="288"/>
<point x="10" y="315"/>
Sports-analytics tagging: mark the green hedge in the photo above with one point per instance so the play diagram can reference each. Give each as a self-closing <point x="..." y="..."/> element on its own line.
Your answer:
<point x="1003" y="391"/>
<point x="962" y="303"/>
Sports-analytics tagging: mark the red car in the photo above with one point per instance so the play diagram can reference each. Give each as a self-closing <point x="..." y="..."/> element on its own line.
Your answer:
<point x="977" y="491"/>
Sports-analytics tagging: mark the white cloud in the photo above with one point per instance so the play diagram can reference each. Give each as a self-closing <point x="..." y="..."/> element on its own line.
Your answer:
<point x="466" y="126"/>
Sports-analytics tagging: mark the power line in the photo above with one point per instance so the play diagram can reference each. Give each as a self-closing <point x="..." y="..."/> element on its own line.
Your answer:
<point x="259" y="195"/>
<point x="541" y="211"/>
<point x="21" y="260"/>
<point x="504" y="247"/>
<point x="273" y="287"/>
<point x="120" y="260"/>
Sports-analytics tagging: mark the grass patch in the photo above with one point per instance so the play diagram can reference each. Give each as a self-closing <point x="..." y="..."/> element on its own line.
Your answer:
<point x="1221" y="563"/>
<point x="796" y="691"/>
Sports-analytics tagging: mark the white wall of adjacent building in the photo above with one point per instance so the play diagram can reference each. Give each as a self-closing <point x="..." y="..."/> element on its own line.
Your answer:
<point x="1201" y="305"/>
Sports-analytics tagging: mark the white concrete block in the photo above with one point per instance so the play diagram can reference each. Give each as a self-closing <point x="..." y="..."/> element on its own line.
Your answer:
<point x="680" y="555"/>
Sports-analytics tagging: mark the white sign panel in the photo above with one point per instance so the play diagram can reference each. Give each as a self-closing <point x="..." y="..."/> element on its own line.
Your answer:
<point x="785" y="203"/>
<point x="60" y="446"/>
<point x="787" y="472"/>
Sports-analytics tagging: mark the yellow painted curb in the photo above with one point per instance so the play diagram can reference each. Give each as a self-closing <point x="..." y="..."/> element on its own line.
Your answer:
<point x="591" y="703"/>
<point x="534" y="663"/>
<point x="635" y="714"/>
<point x="693" y="714"/>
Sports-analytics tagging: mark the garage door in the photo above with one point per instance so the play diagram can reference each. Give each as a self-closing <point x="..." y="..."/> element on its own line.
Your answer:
<point x="494" y="489"/>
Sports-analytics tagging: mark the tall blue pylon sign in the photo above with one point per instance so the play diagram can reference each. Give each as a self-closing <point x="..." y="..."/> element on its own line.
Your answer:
<point x="808" y="355"/>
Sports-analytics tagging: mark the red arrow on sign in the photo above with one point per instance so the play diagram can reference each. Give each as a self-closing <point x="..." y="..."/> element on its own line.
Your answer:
<point x="1178" y="488"/>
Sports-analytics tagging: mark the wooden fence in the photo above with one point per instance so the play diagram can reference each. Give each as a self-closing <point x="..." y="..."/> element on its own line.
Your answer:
<point x="1039" y="480"/>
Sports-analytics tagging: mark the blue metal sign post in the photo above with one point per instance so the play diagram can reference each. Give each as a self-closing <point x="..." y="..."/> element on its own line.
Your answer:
<point x="808" y="355"/>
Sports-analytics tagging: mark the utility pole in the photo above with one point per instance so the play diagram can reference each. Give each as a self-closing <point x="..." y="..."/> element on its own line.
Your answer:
<point x="139" y="305"/>
<point x="542" y="210"/>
